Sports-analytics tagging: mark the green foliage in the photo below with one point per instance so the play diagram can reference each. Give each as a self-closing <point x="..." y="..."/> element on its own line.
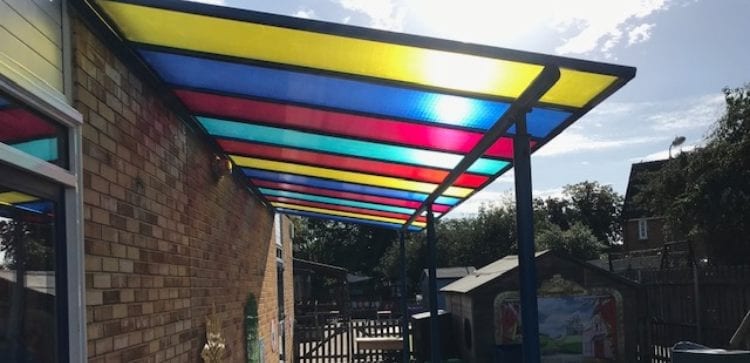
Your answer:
<point x="416" y="259"/>
<point x="477" y="241"/>
<point x="705" y="194"/>
<point x="469" y="241"/>
<point x="594" y="205"/>
<point x="357" y="248"/>
<point x="28" y="242"/>
<point x="577" y="241"/>
<point x="582" y="224"/>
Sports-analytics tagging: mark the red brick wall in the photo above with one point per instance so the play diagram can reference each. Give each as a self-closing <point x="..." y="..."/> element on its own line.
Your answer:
<point x="164" y="239"/>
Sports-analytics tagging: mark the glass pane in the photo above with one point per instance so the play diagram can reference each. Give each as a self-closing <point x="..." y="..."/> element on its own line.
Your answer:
<point x="29" y="132"/>
<point x="28" y="316"/>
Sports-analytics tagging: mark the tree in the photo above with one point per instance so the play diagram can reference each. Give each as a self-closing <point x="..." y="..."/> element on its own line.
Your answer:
<point x="581" y="223"/>
<point x="469" y="241"/>
<point x="27" y="243"/>
<point x="356" y="247"/>
<point x="416" y="257"/>
<point x="577" y="241"/>
<point x="705" y="194"/>
<point x="596" y="206"/>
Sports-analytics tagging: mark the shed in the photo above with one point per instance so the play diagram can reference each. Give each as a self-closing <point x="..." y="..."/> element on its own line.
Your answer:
<point x="444" y="276"/>
<point x="584" y="311"/>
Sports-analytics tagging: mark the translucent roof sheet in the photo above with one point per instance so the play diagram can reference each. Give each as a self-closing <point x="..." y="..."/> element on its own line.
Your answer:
<point x="353" y="124"/>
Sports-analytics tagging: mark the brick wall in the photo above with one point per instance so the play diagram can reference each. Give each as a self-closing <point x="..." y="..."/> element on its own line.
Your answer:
<point x="655" y="235"/>
<point x="164" y="239"/>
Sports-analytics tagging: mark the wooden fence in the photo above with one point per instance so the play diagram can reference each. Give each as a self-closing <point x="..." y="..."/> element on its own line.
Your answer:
<point x="382" y="328"/>
<point x="333" y="338"/>
<point x="723" y="299"/>
<point x="322" y="338"/>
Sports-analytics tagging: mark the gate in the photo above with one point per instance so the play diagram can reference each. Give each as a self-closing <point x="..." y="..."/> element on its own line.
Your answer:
<point x="379" y="328"/>
<point x="322" y="337"/>
<point x="333" y="338"/>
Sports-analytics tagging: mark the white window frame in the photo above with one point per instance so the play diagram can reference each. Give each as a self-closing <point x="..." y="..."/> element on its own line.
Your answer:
<point x="42" y="98"/>
<point x="642" y="229"/>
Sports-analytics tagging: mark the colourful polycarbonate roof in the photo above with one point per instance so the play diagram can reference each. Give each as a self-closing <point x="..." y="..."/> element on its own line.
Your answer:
<point x="22" y="202"/>
<point x="353" y="124"/>
<point x="28" y="132"/>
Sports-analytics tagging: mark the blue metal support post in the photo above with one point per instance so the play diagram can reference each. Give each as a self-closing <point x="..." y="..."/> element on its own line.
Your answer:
<point x="525" y="226"/>
<point x="404" y="305"/>
<point x="434" y="327"/>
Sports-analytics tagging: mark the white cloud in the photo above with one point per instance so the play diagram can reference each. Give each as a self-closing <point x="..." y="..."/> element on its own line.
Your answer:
<point x="481" y="198"/>
<point x="611" y="108"/>
<point x="600" y="24"/>
<point x="640" y="34"/>
<point x="693" y="113"/>
<point x="305" y="13"/>
<point x="383" y="14"/>
<point x="548" y="193"/>
<point x="497" y="198"/>
<point x="571" y="142"/>
<point x="572" y="26"/>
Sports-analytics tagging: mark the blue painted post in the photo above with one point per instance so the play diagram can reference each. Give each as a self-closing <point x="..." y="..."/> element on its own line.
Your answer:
<point x="525" y="226"/>
<point x="404" y="305"/>
<point x="434" y="327"/>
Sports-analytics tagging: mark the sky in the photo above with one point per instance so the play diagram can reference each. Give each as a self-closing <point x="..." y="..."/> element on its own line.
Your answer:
<point x="685" y="52"/>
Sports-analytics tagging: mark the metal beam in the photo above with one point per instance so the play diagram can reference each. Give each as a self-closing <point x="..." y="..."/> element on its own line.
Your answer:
<point x="432" y="284"/>
<point x="541" y="84"/>
<point x="404" y="305"/>
<point x="525" y="225"/>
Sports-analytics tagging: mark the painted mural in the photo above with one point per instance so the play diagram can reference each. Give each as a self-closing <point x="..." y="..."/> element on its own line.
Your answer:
<point x="571" y="328"/>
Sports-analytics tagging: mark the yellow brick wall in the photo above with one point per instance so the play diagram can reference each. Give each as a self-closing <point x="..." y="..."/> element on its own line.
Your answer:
<point x="165" y="240"/>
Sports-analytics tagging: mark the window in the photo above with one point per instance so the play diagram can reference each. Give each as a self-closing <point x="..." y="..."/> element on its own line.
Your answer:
<point x="33" y="292"/>
<point x="26" y="131"/>
<point x="277" y="231"/>
<point x="41" y="248"/>
<point x="642" y="229"/>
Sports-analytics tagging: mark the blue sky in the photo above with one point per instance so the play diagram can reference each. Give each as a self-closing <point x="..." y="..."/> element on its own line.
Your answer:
<point x="685" y="51"/>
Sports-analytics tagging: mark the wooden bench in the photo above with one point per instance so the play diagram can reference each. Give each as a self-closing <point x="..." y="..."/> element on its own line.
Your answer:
<point x="379" y="343"/>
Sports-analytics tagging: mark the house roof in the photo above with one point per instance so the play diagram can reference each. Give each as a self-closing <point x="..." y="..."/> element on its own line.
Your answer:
<point x="638" y="177"/>
<point x="485" y="274"/>
<point x="450" y="272"/>
<point x="509" y="263"/>
<point x="351" y="124"/>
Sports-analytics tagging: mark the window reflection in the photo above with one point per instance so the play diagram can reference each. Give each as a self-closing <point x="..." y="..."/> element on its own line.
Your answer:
<point x="28" y="322"/>
<point x="30" y="133"/>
